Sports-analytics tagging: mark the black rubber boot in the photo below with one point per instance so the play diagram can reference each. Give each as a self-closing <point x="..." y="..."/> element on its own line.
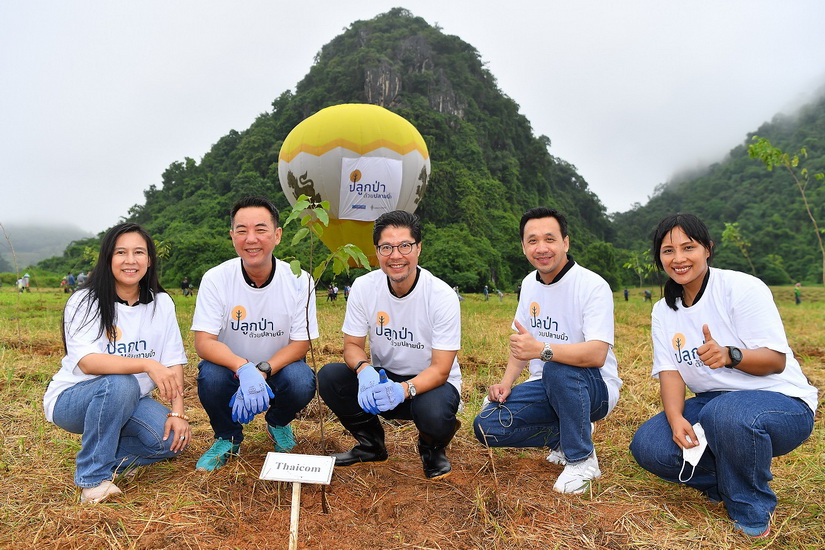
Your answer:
<point x="434" y="454"/>
<point x="370" y="448"/>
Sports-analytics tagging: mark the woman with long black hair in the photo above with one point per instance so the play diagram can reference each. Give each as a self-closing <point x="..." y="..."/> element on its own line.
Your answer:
<point x="718" y="333"/>
<point x="121" y="339"/>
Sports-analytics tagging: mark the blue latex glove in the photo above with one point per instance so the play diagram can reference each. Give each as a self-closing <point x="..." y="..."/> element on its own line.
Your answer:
<point x="367" y="380"/>
<point x="387" y="394"/>
<point x="239" y="412"/>
<point x="255" y="391"/>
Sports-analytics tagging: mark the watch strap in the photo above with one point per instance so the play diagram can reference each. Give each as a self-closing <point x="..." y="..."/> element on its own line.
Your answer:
<point x="546" y="353"/>
<point x="734" y="361"/>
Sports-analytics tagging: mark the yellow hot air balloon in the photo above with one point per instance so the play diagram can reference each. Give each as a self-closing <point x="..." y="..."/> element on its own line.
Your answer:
<point x="364" y="160"/>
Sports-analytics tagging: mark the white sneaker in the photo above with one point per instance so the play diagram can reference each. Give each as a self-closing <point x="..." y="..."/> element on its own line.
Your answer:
<point x="556" y="456"/>
<point x="93" y="495"/>
<point x="576" y="477"/>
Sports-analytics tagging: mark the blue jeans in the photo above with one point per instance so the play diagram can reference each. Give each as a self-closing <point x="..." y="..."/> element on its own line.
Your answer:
<point x="744" y="429"/>
<point x="555" y="411"/>
<point x="293" y="386"/>
<point x="433" y="412"/>
<point x="120" y="428"/>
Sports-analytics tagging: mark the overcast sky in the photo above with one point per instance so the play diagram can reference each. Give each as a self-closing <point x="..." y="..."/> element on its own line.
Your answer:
<point x="98" y="97"/>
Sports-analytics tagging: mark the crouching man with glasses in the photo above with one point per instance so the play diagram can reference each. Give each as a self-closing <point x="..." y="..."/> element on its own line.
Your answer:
<point x="413" y="323"/>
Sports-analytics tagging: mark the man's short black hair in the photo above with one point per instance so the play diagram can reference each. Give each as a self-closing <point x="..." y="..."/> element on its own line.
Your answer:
<point x="397" y="218"/>
<point x="543" y="212"/>
<point x="255" y="201"/>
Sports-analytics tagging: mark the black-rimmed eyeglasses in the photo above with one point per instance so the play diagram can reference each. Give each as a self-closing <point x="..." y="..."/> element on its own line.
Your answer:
<point x="403" y="248"/>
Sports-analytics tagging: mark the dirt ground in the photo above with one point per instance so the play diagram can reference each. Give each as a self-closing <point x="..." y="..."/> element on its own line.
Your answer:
<point x="494" y="499"/>
<point x="499" y="498"/>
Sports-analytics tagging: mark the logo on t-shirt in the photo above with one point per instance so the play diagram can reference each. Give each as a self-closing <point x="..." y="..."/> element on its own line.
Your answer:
<point x="238" y="313"/>
<point x="546" y="326"/>
<point x="402" y="337"/>
<point x="261" y="328"/>
<point x="136" y="349"/>
<point x="683" y="354"/>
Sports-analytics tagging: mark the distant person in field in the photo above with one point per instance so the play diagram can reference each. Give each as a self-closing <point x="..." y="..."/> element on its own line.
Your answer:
<point x="70" y="282"/>
<point x="252" y="323"/>
<point x="26" y="278"/>
<point x="121" y="339"/>
<point x="718" y="333"/>
<point x="797" y="293"/>
<point x="81" y="278"/>
<point x="186" y="287"/>
<point x="486" y="293"/>
<point x="413" y="322"/>
<point x="564" y="333"/>
<point x="457" y="293"/>
<point x="648" y="295"/>
<point x="626" y="295"/>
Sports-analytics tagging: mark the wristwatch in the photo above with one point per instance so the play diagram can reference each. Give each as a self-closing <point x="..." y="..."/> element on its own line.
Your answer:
<point x="735" y="357"/>
<point x="412" y="389"/>
<point x="546" y="353"/>
<point x="264" y="367"/>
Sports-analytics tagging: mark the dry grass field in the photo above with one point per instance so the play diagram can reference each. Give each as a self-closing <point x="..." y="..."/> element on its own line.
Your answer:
<point x="495" y="499"/>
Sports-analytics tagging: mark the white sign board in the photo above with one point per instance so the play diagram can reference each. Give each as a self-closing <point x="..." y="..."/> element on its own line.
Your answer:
<point x="370" y="186"/>
<point x="298" y="468"/>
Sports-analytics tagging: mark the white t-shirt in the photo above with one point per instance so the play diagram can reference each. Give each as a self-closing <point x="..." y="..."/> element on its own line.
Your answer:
<point x="255" y="322"/>
<point x="577" y="308"/>
<point x="739" y="311"/>
<point x="144" y="331"/>
<point x="404" y="331"/>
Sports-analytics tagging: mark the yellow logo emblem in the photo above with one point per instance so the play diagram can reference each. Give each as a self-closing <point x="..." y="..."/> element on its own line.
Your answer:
<point x="238" y="313"/>
<point x="678" y="341"/>
<point x="383" y="319"/>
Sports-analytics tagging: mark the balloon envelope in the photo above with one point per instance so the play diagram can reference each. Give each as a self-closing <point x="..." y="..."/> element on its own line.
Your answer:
<point x="364" y="160"/>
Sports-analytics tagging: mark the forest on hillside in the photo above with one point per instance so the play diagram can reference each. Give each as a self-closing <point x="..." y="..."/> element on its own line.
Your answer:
<point x="773" y="227"/>
<point x="487" y="168"/>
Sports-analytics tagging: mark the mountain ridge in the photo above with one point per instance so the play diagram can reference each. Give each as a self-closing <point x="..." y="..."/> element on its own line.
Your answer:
<point x="487" y="168"/>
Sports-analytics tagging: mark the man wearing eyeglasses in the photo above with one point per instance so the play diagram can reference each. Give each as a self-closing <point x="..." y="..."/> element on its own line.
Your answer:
<point x="413" y="323"/>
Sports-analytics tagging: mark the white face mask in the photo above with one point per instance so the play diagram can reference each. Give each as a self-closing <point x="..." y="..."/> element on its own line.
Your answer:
<point x="694" y="454"/>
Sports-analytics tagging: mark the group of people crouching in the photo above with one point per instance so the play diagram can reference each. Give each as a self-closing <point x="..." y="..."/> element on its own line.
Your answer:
<point x="716" y="332"/>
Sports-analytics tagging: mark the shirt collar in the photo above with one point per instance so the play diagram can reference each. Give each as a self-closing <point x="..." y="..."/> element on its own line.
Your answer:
<point x="415" y="282"/>
<point x="567" y="267"/>
<point x="251" y="283"/>
<point x="701" y="290"/>
<point x="145" y="297"/>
